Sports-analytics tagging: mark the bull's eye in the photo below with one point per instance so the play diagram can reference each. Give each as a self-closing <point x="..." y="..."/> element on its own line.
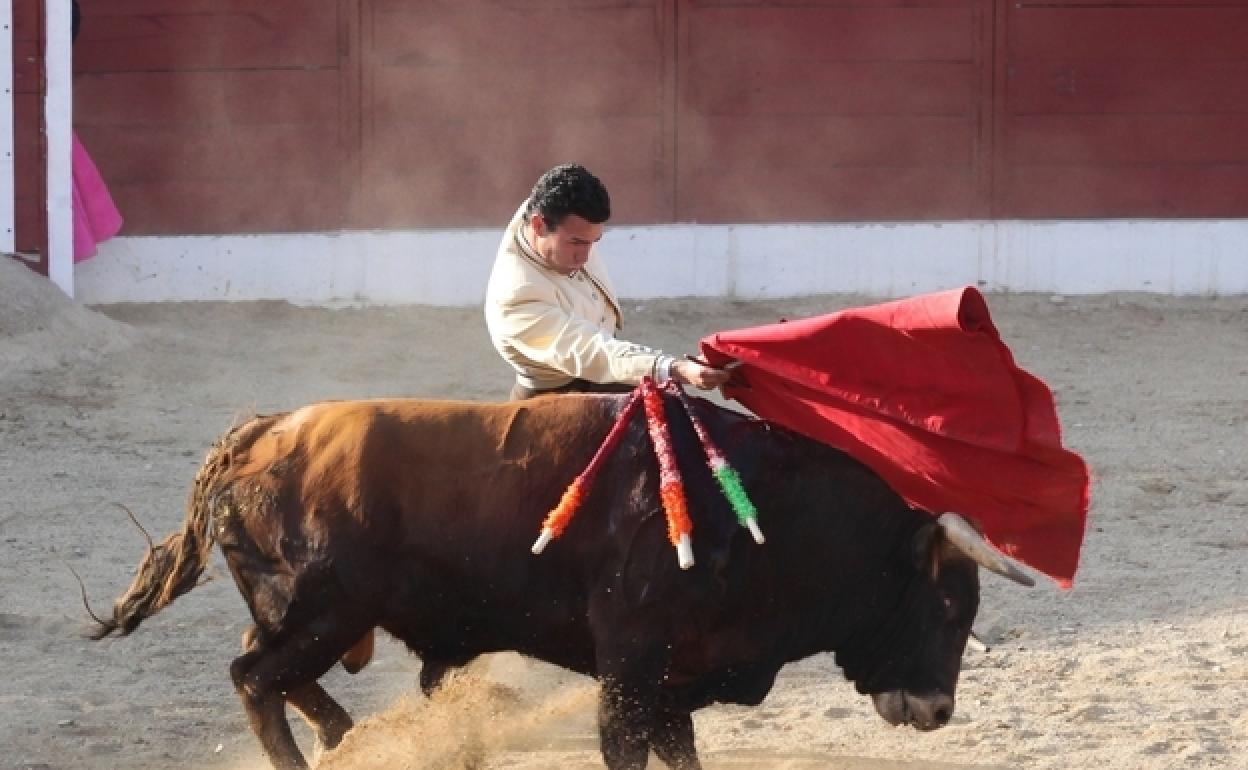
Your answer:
<point x="949" y="609"/>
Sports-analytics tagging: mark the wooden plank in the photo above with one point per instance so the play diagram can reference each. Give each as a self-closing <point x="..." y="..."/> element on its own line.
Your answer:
<point x="1129" y="3"/>
<point x="31" y="228"/>
<point x="664" y="164"/>
<point x="463" y="172"/>
<point x="999" y="181"/>
<point x="600" y="88"/>
<point x="1108" y="140"/>
<point x="834" y="112"/>
<point x="1117" y="86"/>
<point x="245" y="153"/>
<point x="27" y="20"/>
<point x="734" y="34"/>
<point x="564" y="5"/>
<point x="32" y="191"/>
<point x="30" y="198"/>
<point x="832" y="88"/>
<point x="250" y="135"/>
<point x="27" y="66"/>
<point x="350" y="99"/>
<point x="290" y="8"/>
<point x="830" y="3"/>
<point x="984" y="20"/>
<point x="120" y="36"/>
<point x="255" y="205"/>
<point x="1198" y="190"/>
<point x="1125" y="109"/>
<point x="29" y="169"/>
<point x="428" y="200"/>
<point x="29" y="176"/>
<point x="456" y="112"/>
<point x="363" y="194"/>
<point x="588" y="138"/>
<point x="866" y="193"/>
<point x="475" y="32"/>
<point x="223" y="99"/>
<point x="1152" y="33"/>
<point x="799" y="141"/>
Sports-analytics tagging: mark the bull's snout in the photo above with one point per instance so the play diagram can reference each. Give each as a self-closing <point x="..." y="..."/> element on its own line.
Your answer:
<point x="922" y="712"/>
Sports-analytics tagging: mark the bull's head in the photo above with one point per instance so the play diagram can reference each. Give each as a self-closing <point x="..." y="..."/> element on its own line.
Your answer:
<point x="913" y="673"/>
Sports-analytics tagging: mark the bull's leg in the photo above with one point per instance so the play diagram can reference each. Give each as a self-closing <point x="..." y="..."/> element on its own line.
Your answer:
<point x="266" y="713"/>
<point x="623" y="725"/>
<point x="355" y="659"/>
<point x="434" y="671"/>
<point x="270" y="670"/>
<point x="329" y="719"/>
<point x="432" y="674"/>
<point x="671" y="737"/>
<point x="632" y="723"/>
<point x="631" y="664"/>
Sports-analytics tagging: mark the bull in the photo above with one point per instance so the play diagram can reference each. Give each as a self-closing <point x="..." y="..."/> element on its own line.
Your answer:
<point x="416" y="517"/>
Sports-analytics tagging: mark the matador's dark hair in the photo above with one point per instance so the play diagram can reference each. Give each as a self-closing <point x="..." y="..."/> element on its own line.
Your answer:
<point x="569" y="189"/>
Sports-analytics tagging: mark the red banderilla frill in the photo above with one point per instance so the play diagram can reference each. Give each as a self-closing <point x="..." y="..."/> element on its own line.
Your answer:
<point x="671" y="486"/>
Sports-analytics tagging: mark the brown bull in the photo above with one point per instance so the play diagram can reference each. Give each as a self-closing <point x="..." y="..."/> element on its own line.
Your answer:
<point x="417" y="517"/>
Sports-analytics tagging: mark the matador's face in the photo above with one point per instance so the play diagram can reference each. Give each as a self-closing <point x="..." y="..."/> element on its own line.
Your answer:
<point x="565" y="247"/>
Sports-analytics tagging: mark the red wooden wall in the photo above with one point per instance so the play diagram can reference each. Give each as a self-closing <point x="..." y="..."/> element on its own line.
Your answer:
<point x="833" y="110"/>
<point x="464" y="104"/>
<point x="1123" y="108"/>
<point x="30" y="177"/>
<point x="214" y="116"/>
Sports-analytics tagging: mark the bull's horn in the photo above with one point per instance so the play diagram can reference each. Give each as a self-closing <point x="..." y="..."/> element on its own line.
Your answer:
<point x="970" y="542"/>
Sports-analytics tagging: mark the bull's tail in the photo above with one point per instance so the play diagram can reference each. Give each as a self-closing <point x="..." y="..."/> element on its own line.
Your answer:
<point x="174" y="566"/>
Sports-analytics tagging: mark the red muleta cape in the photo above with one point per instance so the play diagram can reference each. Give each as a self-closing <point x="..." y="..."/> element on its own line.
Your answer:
<point x="924" y="392"/>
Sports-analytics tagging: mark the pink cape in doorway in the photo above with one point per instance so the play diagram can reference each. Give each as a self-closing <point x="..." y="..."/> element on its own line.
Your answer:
<point x="96" y="219"/>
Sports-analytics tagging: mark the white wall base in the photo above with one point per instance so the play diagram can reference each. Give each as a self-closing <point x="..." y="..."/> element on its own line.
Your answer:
<point x="450" y="267"/>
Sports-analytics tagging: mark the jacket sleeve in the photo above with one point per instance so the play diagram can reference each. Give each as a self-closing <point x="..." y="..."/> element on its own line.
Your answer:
<point x="547" y="335"/>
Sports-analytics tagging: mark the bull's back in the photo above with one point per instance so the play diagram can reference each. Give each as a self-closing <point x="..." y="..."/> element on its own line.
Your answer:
<point x="424" y="478"/>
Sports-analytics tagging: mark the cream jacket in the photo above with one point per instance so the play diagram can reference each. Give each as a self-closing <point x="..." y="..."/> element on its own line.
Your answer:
<point x="552" y="327"/>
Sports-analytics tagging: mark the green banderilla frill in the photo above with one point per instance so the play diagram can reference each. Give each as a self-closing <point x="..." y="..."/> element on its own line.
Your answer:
<point x="727" y="477"/>
<point x="730" y="481"/>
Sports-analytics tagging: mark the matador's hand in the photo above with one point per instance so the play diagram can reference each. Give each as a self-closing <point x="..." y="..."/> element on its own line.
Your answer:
<point x="699" y="375"/>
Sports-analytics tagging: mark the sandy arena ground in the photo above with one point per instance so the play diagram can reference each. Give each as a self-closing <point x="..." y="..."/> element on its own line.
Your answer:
<point x="1143" y="665"/>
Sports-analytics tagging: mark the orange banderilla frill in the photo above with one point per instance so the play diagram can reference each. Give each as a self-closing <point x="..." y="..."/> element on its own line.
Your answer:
<point x="671" y="486"/>
<point x="557" y="520"/>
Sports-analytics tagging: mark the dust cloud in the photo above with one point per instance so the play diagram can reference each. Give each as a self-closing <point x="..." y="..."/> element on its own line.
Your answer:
<point x="459" y="727"/>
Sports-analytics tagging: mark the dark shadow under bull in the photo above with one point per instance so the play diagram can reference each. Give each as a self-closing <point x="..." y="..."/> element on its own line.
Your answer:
<point x="416" y="517"/>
